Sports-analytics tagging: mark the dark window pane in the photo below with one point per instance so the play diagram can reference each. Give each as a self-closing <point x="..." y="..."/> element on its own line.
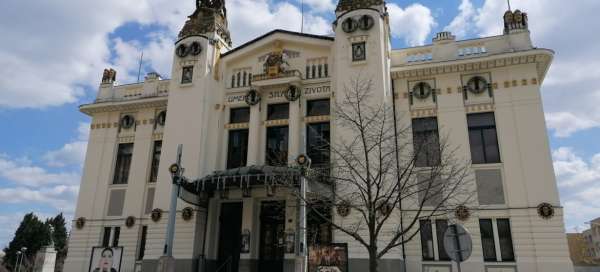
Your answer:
<point x="116" y="235"/>
<point x="318" y="107"/>
<point x="326" y="70"/>
<point x="319" y="230"/>
<point x="492" y="154"/>
<point x="483" y="138"/>
<point x="155" y="161"/>
<point x="278" y="111"/>
<point x="277" y="146"/>
<point x="239" y="79"/>
<point x="245" y="78"/>
<point x="123" y="164"/>
<point x="441" y="226"/>
<point x="106" y="237"/>
<point x="426" y="240"/>
<point x="142" y="249"/>
<point x="239" y="115"/>
<point x="237" y="151"/>
<point x="487" y="240"/>
<point x="426" y="142"/>
<point x="505" y="240"/>
<point x="317" y="143"/>
<point x="476" y="142"/>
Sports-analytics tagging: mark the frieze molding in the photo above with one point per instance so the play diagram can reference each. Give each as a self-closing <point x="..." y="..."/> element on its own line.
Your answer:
<point x="468" y="67"/>
<point x="124" y="106"/>
<point x="237" y="126"/>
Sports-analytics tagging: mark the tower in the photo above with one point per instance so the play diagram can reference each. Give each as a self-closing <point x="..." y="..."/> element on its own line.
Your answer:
<point x="362" y="45"/>
<point x="193" y="118"/>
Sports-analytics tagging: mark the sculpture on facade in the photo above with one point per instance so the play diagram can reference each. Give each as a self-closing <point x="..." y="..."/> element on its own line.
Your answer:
<point x="109" y="76"/>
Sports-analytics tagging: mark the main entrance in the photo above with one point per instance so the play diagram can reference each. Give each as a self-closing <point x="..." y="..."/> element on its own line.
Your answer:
<point x="230" y="232"/>
<point x="272" y="236"/>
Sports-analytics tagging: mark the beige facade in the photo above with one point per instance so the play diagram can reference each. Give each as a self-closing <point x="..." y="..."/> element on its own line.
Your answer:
<point x="207" y="85"/>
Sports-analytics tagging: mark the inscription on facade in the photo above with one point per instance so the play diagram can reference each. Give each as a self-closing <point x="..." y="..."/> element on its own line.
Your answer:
<point x="280" y="94"/>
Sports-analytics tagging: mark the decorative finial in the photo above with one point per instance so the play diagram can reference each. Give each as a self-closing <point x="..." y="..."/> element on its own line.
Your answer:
<point x="509" y="8"/>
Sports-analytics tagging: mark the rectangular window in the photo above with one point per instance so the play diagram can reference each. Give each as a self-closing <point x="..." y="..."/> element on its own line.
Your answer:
<point x="483" y="138"/>
<point x="359" y="51"/>
<point x="487" y="240"/>
<point x="326" y="70"/>
<point x="277" y="146"/>
<point x="317" y="143"/>
<point x="426" y="142"/>
<point x="187" y="75"/>
<point x="155" y="161"/>
<point x="319" y="229"/>
<point x="142" y="247"/>
<point x="441" y="226"/>
<point x="124" y="156"/>
<point x="505" y="239"/>
<point x="278" y="111"/>
<point x="239" y="115"/>
<point x="237" y="150"/>
<point x="106" y="237"/>
<point x="116" y="234"/>
<point x="426" y="240"/>
<point x="319" y="107"/>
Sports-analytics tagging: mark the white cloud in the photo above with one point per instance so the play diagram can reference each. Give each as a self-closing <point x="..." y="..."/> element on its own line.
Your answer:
<point x="412" y="24"/>
<point x="577" y="179"/>
<point x="321" y="5"/>
<point x="249" y="19"/>
<point x="566" y="124"/>
<point x="460" y="25"/>
<point x="72" y="153"/>
<point x="33" y="176"/>
<point x="572" y="170"/>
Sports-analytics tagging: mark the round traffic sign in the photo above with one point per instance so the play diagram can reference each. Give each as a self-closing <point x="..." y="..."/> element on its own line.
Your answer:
<point x="458" y="243"/>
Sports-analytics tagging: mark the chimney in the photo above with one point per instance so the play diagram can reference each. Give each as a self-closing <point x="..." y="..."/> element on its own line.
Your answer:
<point x="444" y="37"/>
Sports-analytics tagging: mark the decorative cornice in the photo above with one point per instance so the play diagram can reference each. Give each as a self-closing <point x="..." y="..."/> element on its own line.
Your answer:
<point x="156" y="102"/>
<point x="348" y="5"/>
<point x="474" y="64"/>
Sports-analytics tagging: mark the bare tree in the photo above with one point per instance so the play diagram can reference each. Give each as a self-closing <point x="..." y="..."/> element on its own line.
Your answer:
<point x="389" y="178"/>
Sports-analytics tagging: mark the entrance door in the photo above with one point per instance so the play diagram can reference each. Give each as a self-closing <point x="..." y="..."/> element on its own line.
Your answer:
<point x="272" y="236"/>
<point x="230" y="232"/>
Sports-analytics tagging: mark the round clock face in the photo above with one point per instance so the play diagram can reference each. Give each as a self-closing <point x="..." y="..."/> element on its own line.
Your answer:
<point x="477" y="85"/>
<point x="182" y="51"/>
<point x="196" y="48"/>
<point x="349" y="25"/>
<point x="366" y="22"/>
<point x="422" y="90"/>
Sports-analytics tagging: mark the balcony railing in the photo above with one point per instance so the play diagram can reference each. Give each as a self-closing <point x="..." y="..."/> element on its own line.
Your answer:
<point x="289" y="73"/>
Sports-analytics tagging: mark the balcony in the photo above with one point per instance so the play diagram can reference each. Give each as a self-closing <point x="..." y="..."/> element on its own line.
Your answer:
<point x="276" y="78"/>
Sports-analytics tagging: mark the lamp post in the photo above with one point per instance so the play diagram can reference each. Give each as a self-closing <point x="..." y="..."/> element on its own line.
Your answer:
<point x="23" y="250"/>
<point x="17" y="260"/>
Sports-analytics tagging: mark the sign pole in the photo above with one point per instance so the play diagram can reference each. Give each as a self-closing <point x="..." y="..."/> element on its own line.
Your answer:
<point x="167" y="262"/>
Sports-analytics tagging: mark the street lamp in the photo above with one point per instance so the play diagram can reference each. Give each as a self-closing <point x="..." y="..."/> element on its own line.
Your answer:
<point x="17" y="260"/>
<point x="23" y="250"/>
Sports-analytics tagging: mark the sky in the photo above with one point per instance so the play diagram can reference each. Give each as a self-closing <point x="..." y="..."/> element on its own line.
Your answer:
<point x="52" y="54"/>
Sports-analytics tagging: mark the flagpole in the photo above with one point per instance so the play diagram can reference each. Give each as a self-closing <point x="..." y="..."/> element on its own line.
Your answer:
<point x="302" y="23"/>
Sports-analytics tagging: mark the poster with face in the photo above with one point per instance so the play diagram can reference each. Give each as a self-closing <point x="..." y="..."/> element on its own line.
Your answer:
<point x="106" y="259"/>
<point x="328" y="258"/>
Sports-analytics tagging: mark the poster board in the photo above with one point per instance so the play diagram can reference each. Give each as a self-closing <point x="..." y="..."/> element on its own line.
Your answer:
<point x="106" y="259"/>
<point x="328" y="258"/>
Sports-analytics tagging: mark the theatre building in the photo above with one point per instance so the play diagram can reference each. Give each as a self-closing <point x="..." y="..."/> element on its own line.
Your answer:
<point x="244" y="114"/>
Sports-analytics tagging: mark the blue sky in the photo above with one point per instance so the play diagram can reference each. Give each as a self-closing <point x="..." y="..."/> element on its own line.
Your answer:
<point x="56" y="52"/>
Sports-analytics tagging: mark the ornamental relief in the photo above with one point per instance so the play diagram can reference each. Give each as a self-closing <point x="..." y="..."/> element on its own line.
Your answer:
<point x="290" y="93"/>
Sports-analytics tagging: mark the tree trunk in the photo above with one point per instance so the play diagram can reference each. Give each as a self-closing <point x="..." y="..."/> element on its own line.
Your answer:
<point x="373" y="260"/>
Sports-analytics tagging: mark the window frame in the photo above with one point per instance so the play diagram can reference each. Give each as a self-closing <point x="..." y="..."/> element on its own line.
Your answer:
<point x="243" y="160"/>
<point x="483" y="140"/>
<point x="497" y="241"/>
<point x="310" y="104"/>
<point x="432" y="157"/>
<point x="120" y="175"/>
<point x="437" y="240"/>
<point x="325" y="143"/>
<point x="232" y="115"/>
<point x="273" y="115"/>
<point x="155" y="161"/>
<point x="271" y="161"/>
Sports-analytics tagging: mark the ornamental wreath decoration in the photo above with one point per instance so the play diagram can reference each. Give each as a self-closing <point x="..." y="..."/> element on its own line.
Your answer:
<point x="292" y="94"/>
<point x="545" y="210"/>
<point x="80" y="223"/>
<point x="156" y="214"/>
<point x="252" y="98"/>
<point x="343" y="209"/>
<point x="130" y="221"/>
<point x="187" y="214"/>
<point x="462" y="213"/>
